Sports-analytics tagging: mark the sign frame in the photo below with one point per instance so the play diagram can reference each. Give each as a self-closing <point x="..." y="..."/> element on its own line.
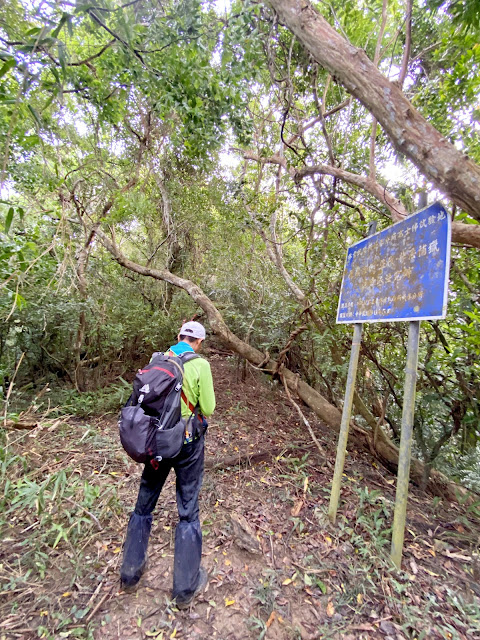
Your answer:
<point x="422" y="214"/>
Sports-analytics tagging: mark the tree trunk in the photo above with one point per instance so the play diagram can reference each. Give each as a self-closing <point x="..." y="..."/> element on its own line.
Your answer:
<point x="375" y="442"/>
<point x="449" y="169"/>
<point x="276" y="258"/>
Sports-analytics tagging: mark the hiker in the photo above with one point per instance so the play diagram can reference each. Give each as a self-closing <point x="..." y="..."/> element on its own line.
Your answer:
<point x="189" y="578"/>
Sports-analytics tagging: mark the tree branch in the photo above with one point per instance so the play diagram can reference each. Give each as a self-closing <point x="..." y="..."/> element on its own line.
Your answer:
<point x="453" y="172"/>
<point x="462" y="234"/>
<point x="408" y="44"/>
<point x="376" y="59"/>
<point x="386" y="451"/>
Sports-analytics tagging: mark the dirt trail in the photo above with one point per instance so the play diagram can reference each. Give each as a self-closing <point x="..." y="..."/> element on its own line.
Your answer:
<point x="308" y="579"/>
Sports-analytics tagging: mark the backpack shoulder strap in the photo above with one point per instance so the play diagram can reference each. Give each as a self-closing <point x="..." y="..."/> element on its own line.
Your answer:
<point x="187" y="356"/>
<point x="175" y="360"/>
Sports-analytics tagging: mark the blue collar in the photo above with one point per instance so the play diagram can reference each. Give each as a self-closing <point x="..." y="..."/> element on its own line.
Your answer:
<point x="181" y="347"/>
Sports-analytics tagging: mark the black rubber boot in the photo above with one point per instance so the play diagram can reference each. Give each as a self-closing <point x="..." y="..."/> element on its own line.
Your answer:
<point x="184" y="601"/>
<point x="135" y="550"/>
<point x="188" y="553"/>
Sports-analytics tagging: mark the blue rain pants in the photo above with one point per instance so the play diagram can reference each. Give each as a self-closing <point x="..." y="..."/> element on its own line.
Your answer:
<point x="188" y="466"/>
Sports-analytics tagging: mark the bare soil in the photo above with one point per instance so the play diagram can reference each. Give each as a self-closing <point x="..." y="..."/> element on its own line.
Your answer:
<point x="309" y="580"/>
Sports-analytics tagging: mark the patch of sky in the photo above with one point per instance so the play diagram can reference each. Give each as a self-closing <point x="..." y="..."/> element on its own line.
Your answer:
<point x="221" y="7"/>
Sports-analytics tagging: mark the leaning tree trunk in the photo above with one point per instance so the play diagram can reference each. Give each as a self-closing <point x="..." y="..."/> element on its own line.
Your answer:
<point x="375" y="442"/>
<point x="452" y="171"/>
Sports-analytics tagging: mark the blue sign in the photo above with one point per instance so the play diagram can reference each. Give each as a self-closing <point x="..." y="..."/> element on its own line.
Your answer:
<point x="400" y="273"/>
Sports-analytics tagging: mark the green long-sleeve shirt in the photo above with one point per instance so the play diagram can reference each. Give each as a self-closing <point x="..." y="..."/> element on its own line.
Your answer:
<point x="198" y="387"/>
<point x="197" y="382"/>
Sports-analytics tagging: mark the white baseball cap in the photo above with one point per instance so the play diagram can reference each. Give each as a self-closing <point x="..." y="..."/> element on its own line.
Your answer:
<point x="193" y="329"/>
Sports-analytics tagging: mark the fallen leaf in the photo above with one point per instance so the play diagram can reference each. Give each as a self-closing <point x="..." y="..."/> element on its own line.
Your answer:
<point x="387" y="627"/>
<point x="287" y="581"/>
<point x="359" y="598"/>
<point x="330" y="609"/>
<point x="271" y="619"/>
<point x="297" y="508"/>
<point x="229" y="602"/>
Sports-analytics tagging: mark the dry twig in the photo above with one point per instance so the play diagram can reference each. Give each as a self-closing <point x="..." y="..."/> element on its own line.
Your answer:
<point x="304" y="419"/>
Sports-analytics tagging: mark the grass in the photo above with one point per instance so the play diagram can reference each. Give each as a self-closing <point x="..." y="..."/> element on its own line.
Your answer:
<point x="367" y="585"/>
<point x="62" y="518"/>
<point x="55" y="522"/>
<point x="60" y="402"/>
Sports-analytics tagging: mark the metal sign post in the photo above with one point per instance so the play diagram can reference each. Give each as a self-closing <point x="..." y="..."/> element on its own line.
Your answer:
<point x="346" y="412"/>
<point x="345" y="424"/>
<point x="404" y="456"/>
<point x="398" y="274"/>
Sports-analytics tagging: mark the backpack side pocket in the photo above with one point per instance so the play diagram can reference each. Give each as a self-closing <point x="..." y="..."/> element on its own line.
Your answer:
<point x="135" y="429"/>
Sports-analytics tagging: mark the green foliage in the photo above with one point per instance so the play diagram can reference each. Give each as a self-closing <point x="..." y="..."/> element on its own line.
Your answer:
<point x="464" y="12"/>
<point x="108" y="399"/>
<point x="116" y="118"/>
<point x="57" y="59"/>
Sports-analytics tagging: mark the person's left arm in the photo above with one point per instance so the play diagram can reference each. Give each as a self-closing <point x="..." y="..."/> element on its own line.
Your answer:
<point x="206" y="396"/>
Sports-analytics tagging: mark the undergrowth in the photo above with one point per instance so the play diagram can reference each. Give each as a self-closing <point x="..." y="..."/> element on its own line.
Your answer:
<point x="62" y="521"/>
<point x="370" y="584"/>
<point x="58" y="401"/>
<point x="55" y="510"/>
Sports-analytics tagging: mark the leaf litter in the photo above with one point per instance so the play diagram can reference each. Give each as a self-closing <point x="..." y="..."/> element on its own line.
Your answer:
<point x="277" y="567"/>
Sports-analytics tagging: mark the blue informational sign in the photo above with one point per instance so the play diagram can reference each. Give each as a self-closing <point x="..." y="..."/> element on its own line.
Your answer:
<point x="400" y="273"/>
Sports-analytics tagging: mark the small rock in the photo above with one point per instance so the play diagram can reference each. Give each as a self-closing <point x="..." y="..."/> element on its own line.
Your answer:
<point x="387" y="627"/>
<point x="347" y="549"/>
<point x="243" y="534"/>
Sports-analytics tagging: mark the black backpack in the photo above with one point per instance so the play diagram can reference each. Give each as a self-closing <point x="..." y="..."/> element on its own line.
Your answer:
<point x="151" y="425"/>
